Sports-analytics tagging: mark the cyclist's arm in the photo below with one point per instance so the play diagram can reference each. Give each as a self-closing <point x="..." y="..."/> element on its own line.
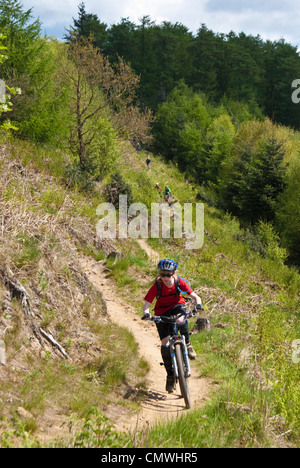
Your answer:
<point x="149" y="298"/>
<point x="146" y="307"/>
<point x="196" y="298"/>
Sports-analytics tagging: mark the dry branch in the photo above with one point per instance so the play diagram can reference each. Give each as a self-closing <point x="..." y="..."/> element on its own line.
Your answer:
<point x="17" y="290"/>
<point x="54" y="343"/>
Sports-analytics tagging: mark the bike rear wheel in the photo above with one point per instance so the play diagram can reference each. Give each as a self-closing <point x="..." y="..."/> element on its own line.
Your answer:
<point x="184" y="388"/>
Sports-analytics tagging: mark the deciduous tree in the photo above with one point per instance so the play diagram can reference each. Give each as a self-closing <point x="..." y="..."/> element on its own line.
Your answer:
<point x="99" y="90"/>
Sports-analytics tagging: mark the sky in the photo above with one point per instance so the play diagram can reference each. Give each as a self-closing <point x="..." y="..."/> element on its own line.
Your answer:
<point x="270" y="19"/>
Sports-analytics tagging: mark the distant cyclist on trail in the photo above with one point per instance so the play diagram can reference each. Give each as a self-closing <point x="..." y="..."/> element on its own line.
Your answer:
<point x="148" y="161"/>
<point x="167" y="193"/>
<point x="167" y="289"/>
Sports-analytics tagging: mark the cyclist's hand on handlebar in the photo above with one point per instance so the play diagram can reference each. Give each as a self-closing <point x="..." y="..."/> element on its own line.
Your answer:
<point x="199" y="307"/>
<point x="146" y="317"/>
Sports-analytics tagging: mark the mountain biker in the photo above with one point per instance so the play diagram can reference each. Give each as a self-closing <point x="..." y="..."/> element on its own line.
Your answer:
<point x="167" y="193"/>
<point x="148" y="161"/>
<point x="167" y="289"/>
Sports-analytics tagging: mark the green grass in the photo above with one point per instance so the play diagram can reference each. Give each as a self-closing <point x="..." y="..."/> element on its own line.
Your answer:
<point x="76" y="388"/>
<point x="29" y="249"/>
<point x="118" y="269"/>
<point x="95" y="431"/>
<point x="257" y="299"/>
<point x="255" y="399"/>
<point x="240" y="413"/>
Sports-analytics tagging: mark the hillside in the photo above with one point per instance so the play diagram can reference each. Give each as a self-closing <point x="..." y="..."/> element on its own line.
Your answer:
<point x="78" y="120"/>
<point x="71" y="365"/>
<point x="54" y="323"/>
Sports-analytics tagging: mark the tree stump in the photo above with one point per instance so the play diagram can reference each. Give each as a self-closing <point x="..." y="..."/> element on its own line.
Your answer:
<point x="202" y="324"/>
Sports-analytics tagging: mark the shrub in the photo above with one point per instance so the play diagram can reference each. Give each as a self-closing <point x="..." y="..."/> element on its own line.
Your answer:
<point x="117" y="187"/>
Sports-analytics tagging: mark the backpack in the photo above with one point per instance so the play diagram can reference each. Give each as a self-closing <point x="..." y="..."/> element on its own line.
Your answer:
<point x="159" y="286"/>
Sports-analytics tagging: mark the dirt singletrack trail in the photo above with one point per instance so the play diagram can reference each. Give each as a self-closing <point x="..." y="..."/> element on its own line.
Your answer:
<point x="158" y="405"/>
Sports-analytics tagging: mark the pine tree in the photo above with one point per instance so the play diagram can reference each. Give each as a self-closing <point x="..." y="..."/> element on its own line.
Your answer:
<point x="20" y="38"/>
<point x="257" y="180"/>
<point x="288" y="212"/>
<point x="29" y="66"/>
<point x="88" y="25"/>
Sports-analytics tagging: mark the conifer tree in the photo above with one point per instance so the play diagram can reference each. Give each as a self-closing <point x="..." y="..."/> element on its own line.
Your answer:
<point x="88" y="25"/>
<point x="256" y="182"/>
<point x="29" y="66"/>
<point x="21" y="34"/>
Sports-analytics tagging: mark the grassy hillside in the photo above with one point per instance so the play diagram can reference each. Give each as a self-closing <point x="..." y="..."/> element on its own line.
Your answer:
<point x="45" y="228"/>
<point x="252" y="301"/>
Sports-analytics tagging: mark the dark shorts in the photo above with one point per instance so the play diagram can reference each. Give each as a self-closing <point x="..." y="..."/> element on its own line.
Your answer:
<point x="165" y="329"/>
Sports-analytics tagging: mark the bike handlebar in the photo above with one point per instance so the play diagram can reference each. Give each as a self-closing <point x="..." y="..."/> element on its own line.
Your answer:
<point x="172" y="318"/>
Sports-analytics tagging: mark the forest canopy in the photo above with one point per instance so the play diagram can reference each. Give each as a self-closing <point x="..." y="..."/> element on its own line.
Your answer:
<point x="239" y="66"/>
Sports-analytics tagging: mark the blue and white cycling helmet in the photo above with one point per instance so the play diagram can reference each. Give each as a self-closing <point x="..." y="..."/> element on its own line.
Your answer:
<point x="167" y="265"/>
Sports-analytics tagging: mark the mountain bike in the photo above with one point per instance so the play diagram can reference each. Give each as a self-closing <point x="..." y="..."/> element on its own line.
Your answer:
<point x="179" y="353"/>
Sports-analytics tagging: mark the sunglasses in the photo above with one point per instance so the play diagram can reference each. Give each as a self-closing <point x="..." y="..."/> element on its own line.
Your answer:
<point x="166" y="275"/>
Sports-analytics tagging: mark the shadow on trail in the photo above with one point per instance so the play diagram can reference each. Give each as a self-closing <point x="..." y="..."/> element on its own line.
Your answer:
<point x="162" y="402"/>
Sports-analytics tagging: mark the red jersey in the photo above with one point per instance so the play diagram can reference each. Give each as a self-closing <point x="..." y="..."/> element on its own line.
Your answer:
<point x="170" y="297"/>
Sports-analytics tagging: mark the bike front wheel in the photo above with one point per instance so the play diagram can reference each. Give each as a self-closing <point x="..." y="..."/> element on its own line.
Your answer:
<point x="184" y="388"/>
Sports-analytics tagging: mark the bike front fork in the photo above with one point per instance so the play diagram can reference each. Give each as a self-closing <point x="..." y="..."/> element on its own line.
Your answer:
<point x="179" y="341"/>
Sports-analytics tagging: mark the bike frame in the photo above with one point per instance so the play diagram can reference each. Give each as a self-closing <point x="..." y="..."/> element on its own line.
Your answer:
<point x="176" y="340"/>
<point x="181" y="368"/>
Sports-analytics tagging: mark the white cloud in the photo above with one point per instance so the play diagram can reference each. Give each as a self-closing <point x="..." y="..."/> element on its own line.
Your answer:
<point x="274" y="26"/>
<point x="237" y="6"/>
<point x="271" y="19"/>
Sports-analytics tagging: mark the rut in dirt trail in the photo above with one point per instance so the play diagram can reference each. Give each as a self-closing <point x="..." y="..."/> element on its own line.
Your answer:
<point x="158" y="405"/>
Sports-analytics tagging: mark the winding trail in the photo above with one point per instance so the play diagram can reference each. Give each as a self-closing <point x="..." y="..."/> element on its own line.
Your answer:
<point x="158" y="405"/>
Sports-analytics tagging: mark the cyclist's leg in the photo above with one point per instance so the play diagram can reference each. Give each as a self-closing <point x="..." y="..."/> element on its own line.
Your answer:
<point x="184" y="330"/>
<point x="182" y="323"/>
<point x="167" y="360"/>
<point x="166" y="356"/>
<point x="164" y="334"/>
